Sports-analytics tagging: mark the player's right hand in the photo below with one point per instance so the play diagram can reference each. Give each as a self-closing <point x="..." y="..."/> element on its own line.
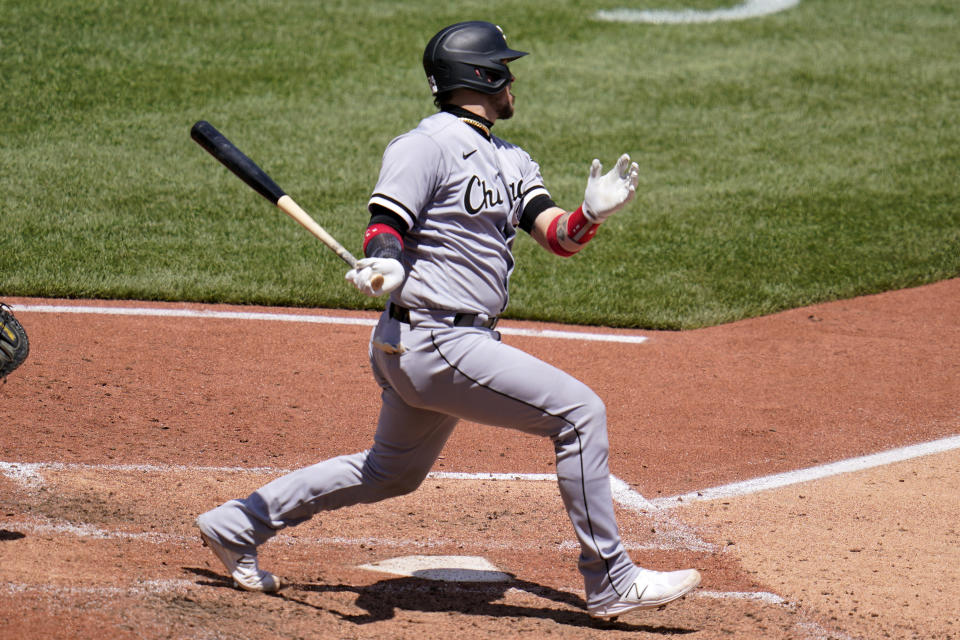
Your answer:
<point x="606" y="194"/>
<point x="362" y="275"/>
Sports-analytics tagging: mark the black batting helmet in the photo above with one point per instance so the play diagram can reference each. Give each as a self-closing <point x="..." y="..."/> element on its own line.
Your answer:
<point x="470" y="55"/>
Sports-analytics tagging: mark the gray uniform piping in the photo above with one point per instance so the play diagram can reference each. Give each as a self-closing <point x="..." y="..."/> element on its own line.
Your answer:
<point x="583" y="486"/>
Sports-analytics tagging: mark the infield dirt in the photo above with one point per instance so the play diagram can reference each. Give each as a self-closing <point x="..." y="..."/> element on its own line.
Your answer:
<point x="119" y="429"/>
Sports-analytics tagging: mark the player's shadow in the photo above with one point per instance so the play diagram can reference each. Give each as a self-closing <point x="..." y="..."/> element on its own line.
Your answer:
<point x="467" y="594"/>
<point x="470" y="595"/>
<point x="213" y="579"/>
<point x="6" y="534"/>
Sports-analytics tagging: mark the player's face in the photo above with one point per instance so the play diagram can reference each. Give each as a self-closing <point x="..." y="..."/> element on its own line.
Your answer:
<point x="503" y="102"/>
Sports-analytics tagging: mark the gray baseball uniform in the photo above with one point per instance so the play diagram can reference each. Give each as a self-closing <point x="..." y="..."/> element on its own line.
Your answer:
<point x="438" y="360"/>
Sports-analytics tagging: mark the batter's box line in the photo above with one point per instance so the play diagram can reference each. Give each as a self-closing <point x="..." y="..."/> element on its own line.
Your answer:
<point x="138" y="588"/>
<point x="810" y="474"/>
<point x="675" y="534"/>
<point x="294" y="539"/>
<point x="670" y="533"/>
<point x="47" y="526"/>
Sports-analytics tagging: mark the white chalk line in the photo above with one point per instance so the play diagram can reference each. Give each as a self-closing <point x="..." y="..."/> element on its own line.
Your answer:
<point x="810" y="474"/>
<point x="50" y="528"/>
<point x="138" y="588"/>
<point x="678" y="533"/>
<point x="29" y="474"/>
<point x="759" y="596"/>
<point x="743" y="11"/>
<point x="28" y="471"/>
<point x="307" y="319"/>
<point x="670" y="531"/>
<point x="672" y="534"/>
<point x="90" y="532"/>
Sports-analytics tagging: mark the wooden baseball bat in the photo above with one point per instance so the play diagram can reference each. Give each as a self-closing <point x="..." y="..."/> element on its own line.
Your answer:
<point x="217" y="145"/>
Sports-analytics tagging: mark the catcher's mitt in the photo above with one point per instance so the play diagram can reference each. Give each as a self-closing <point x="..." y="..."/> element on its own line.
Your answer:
<point x="14" y="345"/>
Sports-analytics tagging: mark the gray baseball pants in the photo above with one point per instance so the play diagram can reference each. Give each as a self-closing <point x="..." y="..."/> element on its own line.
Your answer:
<point x="446" y="374"/>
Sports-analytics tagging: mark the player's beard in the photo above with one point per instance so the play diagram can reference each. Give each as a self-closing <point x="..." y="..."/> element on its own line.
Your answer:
<point x="503" y="104"/>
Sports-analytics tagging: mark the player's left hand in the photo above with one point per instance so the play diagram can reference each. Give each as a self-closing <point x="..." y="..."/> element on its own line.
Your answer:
<point x="362" y="275"/>
<point x="606" y="194"/>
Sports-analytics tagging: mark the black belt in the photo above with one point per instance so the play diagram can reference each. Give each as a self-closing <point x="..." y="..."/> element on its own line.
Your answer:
<point x="459" y="319"/>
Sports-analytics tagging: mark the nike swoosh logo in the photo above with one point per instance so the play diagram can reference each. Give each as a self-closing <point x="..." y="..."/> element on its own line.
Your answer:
<point x="467" y="155"/>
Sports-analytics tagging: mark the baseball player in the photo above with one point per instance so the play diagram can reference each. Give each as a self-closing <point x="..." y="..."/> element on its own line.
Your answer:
<point x="444" y="214"/>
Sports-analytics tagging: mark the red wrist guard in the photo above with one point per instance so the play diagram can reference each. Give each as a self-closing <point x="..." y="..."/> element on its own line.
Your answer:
<point x="579" y="227"/>
<point x="577" y="230"/>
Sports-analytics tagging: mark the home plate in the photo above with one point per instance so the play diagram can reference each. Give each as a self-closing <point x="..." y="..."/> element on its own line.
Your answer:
<point x="446" y="568"/>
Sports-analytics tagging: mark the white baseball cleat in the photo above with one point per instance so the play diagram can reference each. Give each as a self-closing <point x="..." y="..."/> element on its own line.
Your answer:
<point x="242" y="566"/>
<point x="650" y="590"/>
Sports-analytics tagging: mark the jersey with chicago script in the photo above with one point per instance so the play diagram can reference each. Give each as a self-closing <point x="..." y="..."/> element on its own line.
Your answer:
<point x="461" y="196"/>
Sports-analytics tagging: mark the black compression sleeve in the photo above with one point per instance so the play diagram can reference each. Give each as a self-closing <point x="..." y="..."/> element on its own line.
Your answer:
<point x="382" y="244"/>
<point x="382" y="215"/>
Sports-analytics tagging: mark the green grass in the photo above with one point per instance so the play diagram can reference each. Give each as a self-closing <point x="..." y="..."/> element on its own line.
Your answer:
<point x="806" y="156"/>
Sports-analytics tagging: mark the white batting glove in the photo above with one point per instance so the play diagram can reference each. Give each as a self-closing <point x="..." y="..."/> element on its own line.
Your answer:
<point x="607" y="194"/>
<point x="362" y="275"/>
